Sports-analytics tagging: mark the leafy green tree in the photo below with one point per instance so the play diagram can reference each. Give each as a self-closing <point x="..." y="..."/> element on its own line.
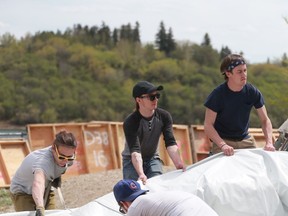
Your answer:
<point x="7" y="40"/>
<point x="78" y="75"/>
<point x="165" y="70"/>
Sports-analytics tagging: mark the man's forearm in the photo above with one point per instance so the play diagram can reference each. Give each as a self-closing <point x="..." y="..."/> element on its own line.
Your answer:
<point x="213" y="135"/>
<point x="137" y="162"/>
<point x="38" y="188"/>
<point x="174" y="154"/>
<point x="267" y="130"/>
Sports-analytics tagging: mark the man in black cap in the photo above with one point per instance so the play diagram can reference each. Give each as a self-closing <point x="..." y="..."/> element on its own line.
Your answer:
<point x="135" y="201"/>
<point x="142" y="130"/>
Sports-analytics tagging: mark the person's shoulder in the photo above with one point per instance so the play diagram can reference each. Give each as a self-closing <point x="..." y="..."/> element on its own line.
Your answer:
<point x="163" y="114"/>
<point x="220" y="88"/>
<point x="42" y="157"/>
<point x="42" y="151"/>
<point x="251" y="87"/>
<point x="162" y="111"/>
<point x="132" y="118"/>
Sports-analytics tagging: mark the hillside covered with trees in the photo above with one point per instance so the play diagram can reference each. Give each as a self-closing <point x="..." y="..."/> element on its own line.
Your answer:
<point x="87" y="73"/>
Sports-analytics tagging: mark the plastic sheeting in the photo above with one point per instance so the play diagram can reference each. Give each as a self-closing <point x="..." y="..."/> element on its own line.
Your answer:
<point x="251" y="183"/>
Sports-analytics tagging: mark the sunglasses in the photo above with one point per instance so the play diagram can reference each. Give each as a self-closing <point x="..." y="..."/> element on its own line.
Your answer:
<point x="151" y="97"/>
<point x="62" y="157"/>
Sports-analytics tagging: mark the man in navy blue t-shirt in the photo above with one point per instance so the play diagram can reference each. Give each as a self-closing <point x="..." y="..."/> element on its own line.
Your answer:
<point x="228" y="109"/>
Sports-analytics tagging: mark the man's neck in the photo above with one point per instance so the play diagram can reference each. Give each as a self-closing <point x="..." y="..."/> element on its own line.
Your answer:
<point x="146" y="113"/>
<point x="233" y="87"/>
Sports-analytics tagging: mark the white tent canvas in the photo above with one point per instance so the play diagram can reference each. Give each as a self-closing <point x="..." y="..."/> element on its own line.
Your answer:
<point x="251" y="183"/>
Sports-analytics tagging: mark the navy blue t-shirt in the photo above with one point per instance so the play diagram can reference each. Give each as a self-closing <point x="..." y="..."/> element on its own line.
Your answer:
<point x="233" y="109"/>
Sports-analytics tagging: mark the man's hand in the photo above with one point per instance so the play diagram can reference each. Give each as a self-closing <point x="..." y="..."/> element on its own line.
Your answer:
<point x="181" y="166"/>
<point x="143" y="178"/>
<point x="269" y="147"/>
<point x="40" y="211"/>
<point x="227" y="150"/>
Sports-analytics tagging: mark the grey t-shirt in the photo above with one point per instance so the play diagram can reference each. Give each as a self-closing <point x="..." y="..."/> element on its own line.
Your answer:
<point x="40" y="159"/>
<point x="170" y="203"/>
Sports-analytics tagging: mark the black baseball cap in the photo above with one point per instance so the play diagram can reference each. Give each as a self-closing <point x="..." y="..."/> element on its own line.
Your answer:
<point x="145" y="87"/>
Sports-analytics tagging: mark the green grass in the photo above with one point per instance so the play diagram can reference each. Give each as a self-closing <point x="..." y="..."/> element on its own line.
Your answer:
<point x="5" y="198"/>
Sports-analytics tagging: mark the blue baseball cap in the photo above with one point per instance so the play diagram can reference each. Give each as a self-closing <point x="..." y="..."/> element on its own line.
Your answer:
<point x="127" y="190"/>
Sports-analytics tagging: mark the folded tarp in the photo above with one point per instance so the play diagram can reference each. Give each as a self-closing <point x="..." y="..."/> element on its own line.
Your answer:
<point x="251" y="183"/>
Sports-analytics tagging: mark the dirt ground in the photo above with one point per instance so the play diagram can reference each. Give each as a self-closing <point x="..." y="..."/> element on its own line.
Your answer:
<point x="79" y="190"/>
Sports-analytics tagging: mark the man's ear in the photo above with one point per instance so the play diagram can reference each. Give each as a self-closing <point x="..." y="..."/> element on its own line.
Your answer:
<point x="125" y="205"/>
<point x="228" y="73"/>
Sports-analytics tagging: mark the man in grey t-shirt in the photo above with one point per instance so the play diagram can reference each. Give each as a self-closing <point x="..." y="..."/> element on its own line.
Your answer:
<point x="31" y="185"/>
<point x="135" y="201"/>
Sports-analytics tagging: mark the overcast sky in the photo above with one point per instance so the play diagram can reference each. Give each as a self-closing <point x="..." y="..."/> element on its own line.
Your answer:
<point x="256" y="27"/>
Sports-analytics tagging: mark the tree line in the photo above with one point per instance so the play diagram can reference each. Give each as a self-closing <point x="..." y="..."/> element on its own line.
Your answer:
<point x="87" y="73"/>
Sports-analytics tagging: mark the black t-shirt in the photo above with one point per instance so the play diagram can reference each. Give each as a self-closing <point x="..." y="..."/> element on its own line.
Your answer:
<point x="142" y="135"/>
<point x="233" y="109"/>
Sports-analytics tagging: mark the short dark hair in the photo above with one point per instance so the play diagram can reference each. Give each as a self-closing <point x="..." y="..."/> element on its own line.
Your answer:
<point x="65" y="138"/>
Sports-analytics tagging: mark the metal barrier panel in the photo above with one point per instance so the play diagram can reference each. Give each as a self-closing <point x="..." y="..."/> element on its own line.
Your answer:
<point x="100" y="148"/>
<point x="119" y="140"/>
<point x="200" y="142"/>
<point x="118" y="137"/>
<point x="12" y="153"/>
<point x="259" y="137"/>
<point x="181" y="133"/>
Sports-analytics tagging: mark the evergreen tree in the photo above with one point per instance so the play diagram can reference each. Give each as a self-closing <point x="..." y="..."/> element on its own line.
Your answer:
<point x="284" y="61"/>
<point x="126" y="32"/>
<point x="171" y="44"/>
<point x="224" y="52"/>
<point x="161" y="37"/>
<point x="206" y="41"/>
<point x="136" y="33"/>
<point x="115" y="37"/>
<point x="165" y="42"/>
<point x="104" y="35"/>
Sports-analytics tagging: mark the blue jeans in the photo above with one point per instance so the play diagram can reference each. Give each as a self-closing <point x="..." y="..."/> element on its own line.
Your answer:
<point x="151" y="167"/>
